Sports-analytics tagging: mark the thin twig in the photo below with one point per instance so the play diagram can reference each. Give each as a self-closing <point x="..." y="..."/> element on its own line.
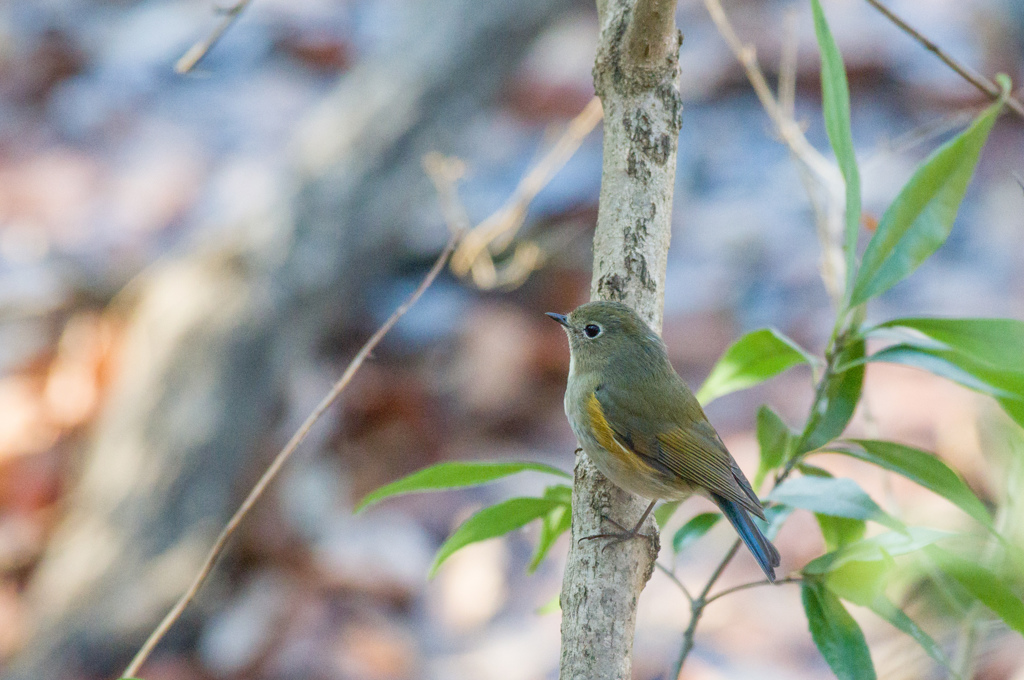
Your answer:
<point x="697" y="608"/>
<point x="718" y="572"/>
<point x="966" y="72"/>
<point x="282" y="457"/>
<point x="675" y="579"/>
<point x="788" y="63"/>
<point x="474" y="256"/>
<point x="199" y="50"/>
<point x="821" y="178"/>
<point x="752" y="584"/>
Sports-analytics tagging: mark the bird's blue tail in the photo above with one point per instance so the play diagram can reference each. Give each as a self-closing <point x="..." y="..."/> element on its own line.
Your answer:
<point x="762" y="549"/>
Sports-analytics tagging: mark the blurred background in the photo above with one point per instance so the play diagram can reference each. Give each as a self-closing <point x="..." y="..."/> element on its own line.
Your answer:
<point x="187" y="262"/>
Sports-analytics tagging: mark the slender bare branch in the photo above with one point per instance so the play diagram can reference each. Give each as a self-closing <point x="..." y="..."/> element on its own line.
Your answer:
<point x="821" y="178"/>
<point x="475" y="254"/>
<point x="697" y="608"/>
<point x="788" y="63"/>
<point x="675" y="579"/>
<point x="199" y="50"/>
<point x="966" y="72"/>
<point x="752" y="584"/>
<point x="282" y="457"/>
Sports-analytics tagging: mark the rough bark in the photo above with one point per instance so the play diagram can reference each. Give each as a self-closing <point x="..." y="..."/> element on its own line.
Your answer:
<point x="214" y="334"/>
<point x="636" y="74"/>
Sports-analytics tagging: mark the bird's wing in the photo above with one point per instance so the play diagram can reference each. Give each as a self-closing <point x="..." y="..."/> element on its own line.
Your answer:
<point x="685" y="445"/>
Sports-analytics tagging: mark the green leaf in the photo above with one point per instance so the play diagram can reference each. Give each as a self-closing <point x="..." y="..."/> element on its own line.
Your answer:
<point x="836" y="497"/>
<point x="996" y="342"/>
<point x="841" y="392"/>
<point x="880" y="547"/>
<point x="663" y="513"/>
<point x="693" y="530"/>
<point x="775" y="440"/>
<point x="983" y="584"/>
<point x="923" y="468"/>
<point x="553" y="524"/>
<point x="921" y="217"/>
<point x="835" y="99"/>
<point x="986" y="355"/>
<point x="809" y="470"/>
<point x="754" y="358"/>
<point x="1007" y="387"/>
<point x="452" y="475"/>
<point x="860" y="582"/>
<point x="942" y="363"/>
<point x="496" y="520"/>
<point x="840" y="531"/>
<point x="894" y="615"/>
<point x="836" y="634"/>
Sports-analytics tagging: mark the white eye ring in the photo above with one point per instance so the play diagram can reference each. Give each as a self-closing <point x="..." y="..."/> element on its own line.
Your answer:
<point x="592" y="330"/>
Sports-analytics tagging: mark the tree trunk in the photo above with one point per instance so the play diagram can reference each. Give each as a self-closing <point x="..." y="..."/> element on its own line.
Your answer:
<point x="636" y="74"/>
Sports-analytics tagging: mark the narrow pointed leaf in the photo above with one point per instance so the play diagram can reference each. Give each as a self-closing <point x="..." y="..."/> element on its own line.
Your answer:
<point x="996" y="342"/>
<point x="809" y="470"/>
<point x="754" y="358"/>
<point x="922" y="468"/>
<point x="920" y="218"/>
<point x="894" y="615"/>
<point x="555" y="523"/>
<point x="452" y="476"/>
<point x="942" y="363"/>
<point x="836" y="634"/>
<point x="880" y="547"/>
<point x="1006" y="386"/>
<point x="693" y="530"/>
<point x="983" y="584"/>
<point x="836" y="497"/>
<point x="775" y="440"/>
<point x="496" y="520"/>
<point x="841" y="394"/>
<point x="835" y="99"/>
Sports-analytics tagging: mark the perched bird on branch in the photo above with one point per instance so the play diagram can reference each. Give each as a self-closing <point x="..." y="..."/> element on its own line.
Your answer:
<point x="642" y="427"/>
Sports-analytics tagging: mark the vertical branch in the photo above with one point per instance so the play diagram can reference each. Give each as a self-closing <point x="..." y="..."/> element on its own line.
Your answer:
<point x="636" y="75"/>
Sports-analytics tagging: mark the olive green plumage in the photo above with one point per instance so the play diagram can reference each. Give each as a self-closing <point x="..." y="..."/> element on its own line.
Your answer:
<point x="641" y="425"/>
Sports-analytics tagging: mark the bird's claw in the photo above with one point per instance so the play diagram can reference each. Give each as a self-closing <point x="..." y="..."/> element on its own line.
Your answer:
<point x="621" y="536"/>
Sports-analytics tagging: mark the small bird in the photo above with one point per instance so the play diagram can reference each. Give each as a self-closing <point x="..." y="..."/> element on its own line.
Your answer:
<point x="642" y="427"/>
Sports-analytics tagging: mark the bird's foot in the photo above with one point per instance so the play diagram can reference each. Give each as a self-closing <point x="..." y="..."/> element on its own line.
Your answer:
<point x="622" y="535"/>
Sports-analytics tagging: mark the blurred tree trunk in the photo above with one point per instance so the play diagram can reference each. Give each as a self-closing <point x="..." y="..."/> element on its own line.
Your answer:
<point x="212" y="336"/>
<point x="637" y="77"/>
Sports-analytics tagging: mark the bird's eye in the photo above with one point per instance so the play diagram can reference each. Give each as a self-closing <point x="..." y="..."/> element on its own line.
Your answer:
<point x="592" y="330"/>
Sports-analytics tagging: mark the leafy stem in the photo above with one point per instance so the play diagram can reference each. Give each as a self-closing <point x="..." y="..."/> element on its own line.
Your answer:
<point x="698" y="604"/>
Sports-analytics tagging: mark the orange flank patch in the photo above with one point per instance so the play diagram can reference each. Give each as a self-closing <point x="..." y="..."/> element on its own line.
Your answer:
<point x="606" y="437"/>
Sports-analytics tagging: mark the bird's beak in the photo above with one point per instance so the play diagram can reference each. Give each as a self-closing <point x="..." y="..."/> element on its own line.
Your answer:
<point x="560" y="318"/>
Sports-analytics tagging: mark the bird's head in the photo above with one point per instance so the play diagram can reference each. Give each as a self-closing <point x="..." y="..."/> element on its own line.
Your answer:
<point x="606" y="332"/>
